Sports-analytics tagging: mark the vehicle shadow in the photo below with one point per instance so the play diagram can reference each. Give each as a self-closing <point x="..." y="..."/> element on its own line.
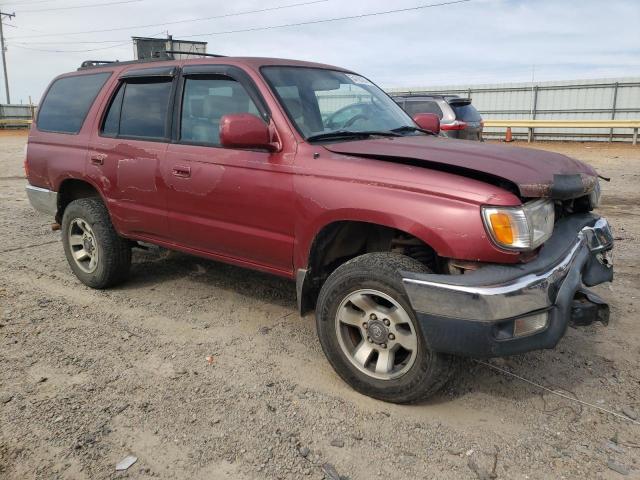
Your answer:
<point x="153" y="267"/>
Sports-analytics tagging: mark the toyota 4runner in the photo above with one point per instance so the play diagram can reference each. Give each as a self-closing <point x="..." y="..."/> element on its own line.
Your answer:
<point x="413" y="249"/>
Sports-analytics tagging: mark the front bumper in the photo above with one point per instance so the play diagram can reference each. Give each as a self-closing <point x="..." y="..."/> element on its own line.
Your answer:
<point x="478" y="313"/>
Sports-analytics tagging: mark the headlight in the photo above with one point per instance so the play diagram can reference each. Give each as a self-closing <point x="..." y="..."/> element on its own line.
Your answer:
<point x="520" y="228"/>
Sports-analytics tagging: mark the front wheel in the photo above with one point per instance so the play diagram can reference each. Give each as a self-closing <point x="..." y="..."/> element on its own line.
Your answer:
<point x="370" y="334"/>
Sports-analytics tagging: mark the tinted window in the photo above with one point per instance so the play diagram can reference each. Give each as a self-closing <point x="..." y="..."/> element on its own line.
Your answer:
<point x="467" y="113"/>
<point x="112" y="120"/>
<point x="422" y="106"/>
<point x="206" y="101"/>
<point x="144" y="108"/>
<point x="68" y="101"/>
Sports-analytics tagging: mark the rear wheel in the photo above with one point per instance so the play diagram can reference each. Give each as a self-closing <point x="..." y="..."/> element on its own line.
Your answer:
<point x="98" y="256"/>
<point x="370" y="333"/>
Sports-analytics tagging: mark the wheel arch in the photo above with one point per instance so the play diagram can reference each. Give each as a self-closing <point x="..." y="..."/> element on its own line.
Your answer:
<point x="338" y="241"/>
<point x="71" y="189"/>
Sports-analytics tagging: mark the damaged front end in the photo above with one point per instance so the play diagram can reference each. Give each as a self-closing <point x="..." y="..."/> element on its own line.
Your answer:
<point x="563" y="187"/>
<point x="507" y="309"/>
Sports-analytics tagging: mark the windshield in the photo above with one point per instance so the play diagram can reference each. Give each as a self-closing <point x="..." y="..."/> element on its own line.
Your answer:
<point x="320" y="101"/>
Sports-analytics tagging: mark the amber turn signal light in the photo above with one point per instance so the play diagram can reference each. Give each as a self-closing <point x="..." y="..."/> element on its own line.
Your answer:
<point x="502" y="229"/>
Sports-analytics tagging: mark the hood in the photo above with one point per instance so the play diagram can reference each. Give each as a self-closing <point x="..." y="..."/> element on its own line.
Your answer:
<point x="535" y="173"/>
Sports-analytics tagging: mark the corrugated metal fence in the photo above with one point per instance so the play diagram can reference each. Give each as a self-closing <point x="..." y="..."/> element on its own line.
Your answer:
<point x="608" y="99"/>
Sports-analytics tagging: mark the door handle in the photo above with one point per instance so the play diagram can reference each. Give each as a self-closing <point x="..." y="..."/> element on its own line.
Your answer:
<point x="98" y="158"/>
<point x="181" y="171"/>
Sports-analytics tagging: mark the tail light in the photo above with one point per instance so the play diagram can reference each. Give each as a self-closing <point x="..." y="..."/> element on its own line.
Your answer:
<point x="456" y="125"/>
<point x="26" y="162"/>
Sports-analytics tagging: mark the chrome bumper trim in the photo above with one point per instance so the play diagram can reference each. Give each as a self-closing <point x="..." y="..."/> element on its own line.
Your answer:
<point x="523" y="295"/>
<point x="43" y="200"/>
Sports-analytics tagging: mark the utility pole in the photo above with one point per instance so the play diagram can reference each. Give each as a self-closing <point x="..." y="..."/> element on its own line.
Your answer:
<point x="4" y="60"/>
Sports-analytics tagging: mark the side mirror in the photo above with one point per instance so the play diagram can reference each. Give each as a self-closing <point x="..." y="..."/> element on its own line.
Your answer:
<point x="428" y="121"/>
<point x="244" y="130"/>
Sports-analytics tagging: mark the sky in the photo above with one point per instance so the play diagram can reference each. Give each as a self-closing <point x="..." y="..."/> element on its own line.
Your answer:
<point x="470" y="42"/>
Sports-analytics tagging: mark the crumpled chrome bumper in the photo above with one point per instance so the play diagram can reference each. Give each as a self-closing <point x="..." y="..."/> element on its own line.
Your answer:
<point x="43" y="200"/>
<point x="483" y="312"/>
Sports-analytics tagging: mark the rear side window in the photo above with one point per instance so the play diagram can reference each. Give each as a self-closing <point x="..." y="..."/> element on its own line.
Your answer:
<point x="413" y="107"/>
<point x="466" y="113"/>
<point x="65" y="107"/>
<point x="139" y="109"/>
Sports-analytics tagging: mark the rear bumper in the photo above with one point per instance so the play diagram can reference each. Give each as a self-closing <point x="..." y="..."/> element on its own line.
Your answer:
<point x="482" y="313"/>
<point x="43" y="200"/>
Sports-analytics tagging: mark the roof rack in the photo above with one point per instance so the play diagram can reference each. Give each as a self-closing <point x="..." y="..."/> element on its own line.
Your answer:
<point x="157" y="57"/>
<point x="178" y="52"/>
<point x="88" y="64"/>
<point x="96" y="63"/>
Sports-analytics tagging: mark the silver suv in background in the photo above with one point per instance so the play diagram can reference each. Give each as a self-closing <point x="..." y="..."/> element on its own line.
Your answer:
<point x="458" y="118"/>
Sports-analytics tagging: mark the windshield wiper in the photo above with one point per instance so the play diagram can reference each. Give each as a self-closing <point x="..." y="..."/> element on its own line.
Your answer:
<point x="411" y="128"/>
<point x="352" y="134"/>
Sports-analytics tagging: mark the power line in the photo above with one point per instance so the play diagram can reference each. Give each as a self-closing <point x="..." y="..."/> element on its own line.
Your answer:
<point x="69" y="42"/>
<point x="128" y="42"/>
<point x="22" y="4"/>
<point x="271" y="27"/>
<point x="268" y="27"/>
<point x="327" y="20"/>
<point x="176" y="22"/>
<point x="70" y="51"/>
<point x="79" y="6"/>
<point x="26" y="4"/>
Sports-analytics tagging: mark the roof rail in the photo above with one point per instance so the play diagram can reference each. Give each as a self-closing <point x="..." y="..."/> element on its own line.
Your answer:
<point x="178" y="52"/>
<point x="158" y="57"/>
<point x="88" y="64"/>
<point x="96" y="63"/>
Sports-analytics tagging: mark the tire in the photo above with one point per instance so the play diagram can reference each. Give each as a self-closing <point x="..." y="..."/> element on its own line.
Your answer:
<point x="373" y="282"/>
<point x="97" y="255"/>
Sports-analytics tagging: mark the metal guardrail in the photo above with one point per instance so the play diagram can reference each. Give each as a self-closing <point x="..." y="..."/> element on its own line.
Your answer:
<point x="531" y="124"/>
<point x="15" y="122"/>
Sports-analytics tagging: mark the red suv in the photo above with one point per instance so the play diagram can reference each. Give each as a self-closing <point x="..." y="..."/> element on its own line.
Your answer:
<point x="413" y="249"/>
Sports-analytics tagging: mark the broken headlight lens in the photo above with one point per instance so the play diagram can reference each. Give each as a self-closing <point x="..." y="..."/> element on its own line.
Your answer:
<point x="594" y="196"/>
<point x="520" y="228"/>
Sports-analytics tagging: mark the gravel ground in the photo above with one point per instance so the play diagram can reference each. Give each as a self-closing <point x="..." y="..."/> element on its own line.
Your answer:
<point x="202" y="370"/>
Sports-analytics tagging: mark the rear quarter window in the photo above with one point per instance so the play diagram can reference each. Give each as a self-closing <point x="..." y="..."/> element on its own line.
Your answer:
<point x="67" y="102"/>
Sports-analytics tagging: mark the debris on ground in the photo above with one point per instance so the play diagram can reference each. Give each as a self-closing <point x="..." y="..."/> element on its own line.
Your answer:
<point x="480" y="472"/>
<point x="630" y="412"/>
<point x="330" y="472"/>
<point x="126" y="462"/>
<point x="264" y="330"/>
<point x="304" y="452"/>
<point x="621" y="468"/>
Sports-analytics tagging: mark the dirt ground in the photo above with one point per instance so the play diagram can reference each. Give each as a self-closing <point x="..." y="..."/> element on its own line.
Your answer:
<point x="88" y="377"/>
